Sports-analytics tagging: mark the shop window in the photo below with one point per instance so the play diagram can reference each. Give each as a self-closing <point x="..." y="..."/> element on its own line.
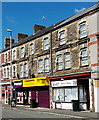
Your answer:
<point x="58" y="94"/>
<point x="62" y="37"/>
<point x="25" y="70"/>
<point x="46" y="43"/>
<point x="67" y="60"/>
<point x="22" y="52"/>
<point x="31" y="49"/>
<point x="84" y="57"/>
<point x="40" y="66"/>
<point x="3" y="95"/>
<point x="59" y="62"/>
<point x="82" y="94"/>
<point x="82" y="30"/>
<point x="14" y="55"/>
<point x="71" y="94"/>
<point x="46" y="63"/>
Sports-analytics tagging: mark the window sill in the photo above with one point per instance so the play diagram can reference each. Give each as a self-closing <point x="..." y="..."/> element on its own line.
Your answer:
<point x="67" y="68"/>
<point x="83" y="38"/>
<point x="84" y="65"/>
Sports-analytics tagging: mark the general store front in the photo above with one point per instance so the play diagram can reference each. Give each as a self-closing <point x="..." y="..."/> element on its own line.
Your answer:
<point x="35" y="88"/>
<point x="65" y="89"/>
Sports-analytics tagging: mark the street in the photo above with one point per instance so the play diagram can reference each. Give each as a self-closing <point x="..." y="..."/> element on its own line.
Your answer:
<point x="11" y="113"/>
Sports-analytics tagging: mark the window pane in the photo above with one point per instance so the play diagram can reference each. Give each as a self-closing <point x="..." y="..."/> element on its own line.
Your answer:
<point x="62" y="37"/>
<point x="47" y="65"/>
<point x="84" y="57"/>
<point x="40" y="67"/>
<point x="82" y="30"/>
<point x="46" y="43"/>
<point x="31" y="49"/>
<point x="22" y="52"/>
<point x="59" y="62"/>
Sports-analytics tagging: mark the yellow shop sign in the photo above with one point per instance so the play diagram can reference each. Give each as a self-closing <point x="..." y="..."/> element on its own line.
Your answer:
<point x="41" y="81"/>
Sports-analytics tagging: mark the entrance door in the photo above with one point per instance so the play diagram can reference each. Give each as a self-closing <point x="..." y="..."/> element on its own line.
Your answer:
<point x="43" y="98"/>
<point x="6" y="96"/>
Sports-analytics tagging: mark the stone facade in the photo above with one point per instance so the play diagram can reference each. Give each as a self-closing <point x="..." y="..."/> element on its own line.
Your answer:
<point x="73" y="45"/>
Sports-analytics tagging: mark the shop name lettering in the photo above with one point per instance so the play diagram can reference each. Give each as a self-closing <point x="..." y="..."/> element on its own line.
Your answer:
<point x="64" y="83"/>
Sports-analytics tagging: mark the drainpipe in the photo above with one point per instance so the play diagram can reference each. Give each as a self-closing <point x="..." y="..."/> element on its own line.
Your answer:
<point x="51" y="64"/>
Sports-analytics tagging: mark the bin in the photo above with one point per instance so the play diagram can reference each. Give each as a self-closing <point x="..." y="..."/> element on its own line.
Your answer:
<point x="33" y="103"/>
<point x="75" y="105"/>
<point x="13" y="103"/>
<point x="9" y="101"/>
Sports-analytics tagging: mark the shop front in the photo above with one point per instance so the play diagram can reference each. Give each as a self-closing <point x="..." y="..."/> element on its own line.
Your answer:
<point x="5" y="90"/>
<point x="65" y="90"/>
<point x="33" y="89"/>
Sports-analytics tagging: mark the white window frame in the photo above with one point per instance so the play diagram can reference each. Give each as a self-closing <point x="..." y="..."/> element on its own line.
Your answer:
<point x="46" y="64"/>
<point x="59" y="62"/>
<point x="82" y="30"/>
<point x="82" y="57"/>
<point x="8" y="72"/>
<point x="21" y="70"/>
<point x="4" y="72"/>
<point x="14" y="54"/>
<point x="22" y="53"/>
<point x="67" y="60"/>
<point x="62" y="37"/>
<point x="25" y="70"/>
<point x="46" y="43"/>
<point x="14" y="71"/>
<point x="31" y="48"/>
<point x="40" y="66"/>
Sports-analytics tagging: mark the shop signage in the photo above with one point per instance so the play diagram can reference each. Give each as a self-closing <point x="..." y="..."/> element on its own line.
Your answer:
<point x="41" y="81"/>
<point x="64" y="83"/>
<point x="17" y="83"/>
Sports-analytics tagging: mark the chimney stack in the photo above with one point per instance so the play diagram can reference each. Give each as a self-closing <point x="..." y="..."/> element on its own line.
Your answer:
<point x="7" y="42"/>
<point x="38" y="28"/>
<point x="21" y="36"/>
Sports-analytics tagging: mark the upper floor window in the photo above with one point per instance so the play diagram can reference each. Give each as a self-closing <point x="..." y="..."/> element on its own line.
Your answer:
<point x="21" y="70"/>
<point x="14" y="71"/>
<point x="26" y="70"/>
<point x="84" y="57"/>
<point x="59" y="62"/>
<point x="67" y="60"/>
<point x="46" y="43"/>
<point x="6" y="58"/>
<point x="82" y="30"/>
<point x="22" y="52"/>
<point x="40" y="66"/>
<point x="14" y="54"/>
<point x="7" y="72"/>
<point x="31" y="48"/>
<point x="46" y="61"/>
<point x="62" y="37"/>
<point x="4" y="72"/>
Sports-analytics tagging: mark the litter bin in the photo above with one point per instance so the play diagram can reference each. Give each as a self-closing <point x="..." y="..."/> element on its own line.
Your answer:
<point x="75" y="105"/>
<point x="13" y="103"/>
<point x="33" y="103"/>
<point x="9" y="101"/>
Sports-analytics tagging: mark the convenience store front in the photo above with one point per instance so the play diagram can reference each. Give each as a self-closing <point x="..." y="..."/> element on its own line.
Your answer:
<point x="35" y="88"/>
<point x="65" y="90"/>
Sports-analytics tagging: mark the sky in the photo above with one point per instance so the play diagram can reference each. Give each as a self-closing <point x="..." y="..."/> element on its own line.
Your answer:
<point x="21" y="16"/>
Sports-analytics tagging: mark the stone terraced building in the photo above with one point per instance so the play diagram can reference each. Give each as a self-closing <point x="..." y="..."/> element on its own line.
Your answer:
<point x="55" y="65"/>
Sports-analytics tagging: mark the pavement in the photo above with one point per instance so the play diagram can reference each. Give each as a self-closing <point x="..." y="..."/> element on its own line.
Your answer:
<point x="85" y="115"/>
